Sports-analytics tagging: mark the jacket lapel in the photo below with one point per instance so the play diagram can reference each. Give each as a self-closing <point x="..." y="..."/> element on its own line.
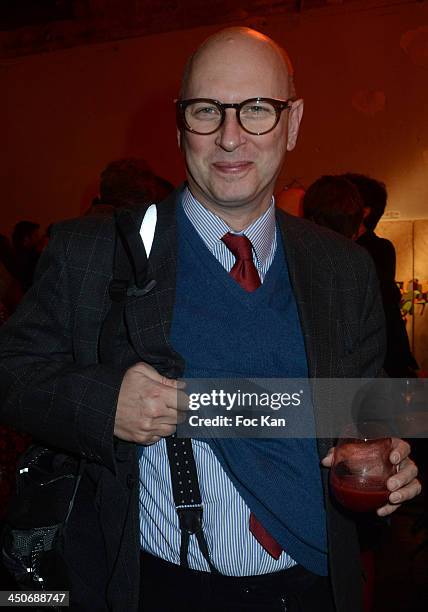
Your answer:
<point x="312" y="280"/>
<point x="149" y="316"/>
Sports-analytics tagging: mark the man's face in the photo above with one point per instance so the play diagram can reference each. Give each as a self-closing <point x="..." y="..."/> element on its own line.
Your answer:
<point x="231" y="168"/>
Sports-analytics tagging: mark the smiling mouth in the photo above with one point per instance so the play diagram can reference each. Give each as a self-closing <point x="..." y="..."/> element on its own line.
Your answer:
<point x="232" y="167"/>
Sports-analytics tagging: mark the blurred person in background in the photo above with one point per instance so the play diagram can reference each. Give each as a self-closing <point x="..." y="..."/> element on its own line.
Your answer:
<point x="399" y="361"/>
<point x="334" y="202"/>
<point x="26" y="243"/>
<point x="128" y="182"/>
<point x="10" y="288"/>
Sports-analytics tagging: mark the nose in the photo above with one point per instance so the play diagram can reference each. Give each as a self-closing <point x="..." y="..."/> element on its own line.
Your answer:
<point x="230" y="136"/>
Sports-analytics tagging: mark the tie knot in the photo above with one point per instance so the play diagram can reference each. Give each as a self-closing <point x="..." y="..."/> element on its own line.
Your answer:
<point x="240" y="246"/>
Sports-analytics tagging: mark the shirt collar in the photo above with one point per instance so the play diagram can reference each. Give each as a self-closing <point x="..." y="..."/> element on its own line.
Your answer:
<point x="211" y="228"/>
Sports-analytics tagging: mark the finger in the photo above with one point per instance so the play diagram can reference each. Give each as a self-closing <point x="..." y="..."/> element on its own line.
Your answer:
<point x="172" y="419"/>
<point x="156" y="415"/>
<point x="176" y="408"/>
<point x="407" y="492"/>
<point x="162" y="430"/>
<point x="173" y="382"/>
<point x="387" y="509"/>
<point x="157" y="399"/>
<point x="327" y="461"/>
<point x="151" y="441"/>
<point x="182" y="416"/>
<point x="398" y="497"/>
<point x="400" y="450"/>
<point x="405" y="475"/>
<point x="175" y="399"/>
<point x="153" y="374"/>
<point x="182" y="401"/>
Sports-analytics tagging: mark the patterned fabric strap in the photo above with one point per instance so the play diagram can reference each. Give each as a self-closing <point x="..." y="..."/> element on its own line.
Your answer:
<point x="187" y="496"/>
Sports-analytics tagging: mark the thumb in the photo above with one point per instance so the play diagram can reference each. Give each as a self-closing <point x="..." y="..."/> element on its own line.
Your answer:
<point x="327" y="461"/>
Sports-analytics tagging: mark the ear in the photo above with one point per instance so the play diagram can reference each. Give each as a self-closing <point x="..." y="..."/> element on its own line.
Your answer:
<point x="294" y="119"/>
<point x="179" y="139"/>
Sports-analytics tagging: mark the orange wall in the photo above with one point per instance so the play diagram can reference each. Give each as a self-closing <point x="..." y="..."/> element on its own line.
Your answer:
<point x="67" y="113"/>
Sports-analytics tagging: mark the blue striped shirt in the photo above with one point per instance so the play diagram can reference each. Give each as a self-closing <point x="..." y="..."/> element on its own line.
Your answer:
<point x="233" y="549"/>
<point x="211" y="228"/>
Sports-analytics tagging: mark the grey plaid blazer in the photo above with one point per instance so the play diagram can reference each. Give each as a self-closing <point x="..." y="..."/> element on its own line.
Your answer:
<point x="54" y="386"/>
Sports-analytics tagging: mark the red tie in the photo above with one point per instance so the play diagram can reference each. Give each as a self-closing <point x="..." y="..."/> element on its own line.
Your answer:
<point x="245" y="273"/>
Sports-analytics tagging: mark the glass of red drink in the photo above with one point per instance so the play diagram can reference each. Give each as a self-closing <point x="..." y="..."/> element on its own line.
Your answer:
<point x="361" y="467"/>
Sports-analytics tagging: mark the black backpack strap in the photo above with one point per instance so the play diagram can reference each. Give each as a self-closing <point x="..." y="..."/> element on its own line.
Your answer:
<point x="129" y="278"/>
<point x="187" y="497"/>
<point x="128" y="230"/>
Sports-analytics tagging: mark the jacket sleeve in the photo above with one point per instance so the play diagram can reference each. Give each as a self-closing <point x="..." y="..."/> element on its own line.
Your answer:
<point x="44" y="390"/>
<point x="372" y="327"/>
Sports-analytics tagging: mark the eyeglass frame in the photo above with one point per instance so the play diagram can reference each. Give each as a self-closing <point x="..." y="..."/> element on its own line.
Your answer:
<point x="278" y="105"/>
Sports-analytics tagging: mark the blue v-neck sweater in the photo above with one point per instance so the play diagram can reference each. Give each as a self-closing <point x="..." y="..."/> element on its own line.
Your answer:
<point x="223" y="331"/>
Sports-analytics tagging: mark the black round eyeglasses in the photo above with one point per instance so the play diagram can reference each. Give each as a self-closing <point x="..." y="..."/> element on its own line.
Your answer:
<point x="256" y="116"/>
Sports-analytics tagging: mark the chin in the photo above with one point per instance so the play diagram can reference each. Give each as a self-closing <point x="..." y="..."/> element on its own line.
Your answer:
<point x="234" y="193"/>
<point x="233" y="200"/>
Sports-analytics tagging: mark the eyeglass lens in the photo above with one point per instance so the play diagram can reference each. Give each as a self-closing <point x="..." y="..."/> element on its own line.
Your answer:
<point x="256" y="117"/>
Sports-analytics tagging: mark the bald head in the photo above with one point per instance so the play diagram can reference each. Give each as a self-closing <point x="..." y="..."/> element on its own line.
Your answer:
<point x="237" y="78"/>
<point x="232" y="45"/>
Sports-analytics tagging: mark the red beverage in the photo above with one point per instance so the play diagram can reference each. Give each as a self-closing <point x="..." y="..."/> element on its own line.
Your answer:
<point x="359" y="495"/>
<point x="361" y="467"/>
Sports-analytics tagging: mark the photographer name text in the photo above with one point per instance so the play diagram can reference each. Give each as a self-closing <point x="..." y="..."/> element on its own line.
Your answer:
<point x="238" y="420"/>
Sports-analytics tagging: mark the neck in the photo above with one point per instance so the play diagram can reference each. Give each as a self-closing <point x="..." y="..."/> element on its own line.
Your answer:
<point x="237" y="216"/>
<point x="236" y="220"/>
<point x="361" y="230"/>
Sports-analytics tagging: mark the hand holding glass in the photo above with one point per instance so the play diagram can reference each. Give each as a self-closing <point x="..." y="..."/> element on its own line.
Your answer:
<point x="360" y="469"/>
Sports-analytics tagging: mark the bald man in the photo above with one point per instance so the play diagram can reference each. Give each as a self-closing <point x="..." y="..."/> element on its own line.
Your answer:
<point x="231" y="290"/>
